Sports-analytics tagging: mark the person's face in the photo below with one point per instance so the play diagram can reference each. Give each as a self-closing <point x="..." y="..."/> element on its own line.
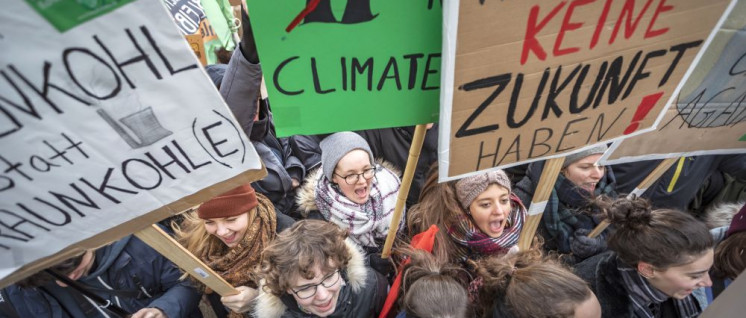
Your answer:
<point x="491" y="210"/>
<point x="83" y="268"/>
<point x="680" y="281"/>
<point x="354" y="162"/>
<point x="326" y="287"/>
<point x="584" y="173"/>
<point x="590" y="308"/>
<point x="230" y="230"/>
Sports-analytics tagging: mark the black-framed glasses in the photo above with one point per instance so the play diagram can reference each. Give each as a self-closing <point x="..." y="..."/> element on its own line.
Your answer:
<point x="355" y="177"/>
<point x="309" y="291"/>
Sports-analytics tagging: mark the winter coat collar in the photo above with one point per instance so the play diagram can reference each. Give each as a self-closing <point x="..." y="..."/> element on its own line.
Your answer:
<point x="271" y="306"/>
<point x="306" y="195"/>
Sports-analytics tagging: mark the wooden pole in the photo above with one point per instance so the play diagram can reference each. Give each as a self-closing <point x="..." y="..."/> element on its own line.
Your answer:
<point x="168" y="247"/>
<point x="548" y="177"/>
<point x="639" y="190"/>
<point x="406" y="183"/>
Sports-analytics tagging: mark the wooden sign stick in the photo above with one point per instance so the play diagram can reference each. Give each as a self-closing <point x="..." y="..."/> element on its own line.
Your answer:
<point x="639" y="190"/>
<point x="548" y="177"/>
<point x="168" y="247"/>
<point x="406" y="183"/>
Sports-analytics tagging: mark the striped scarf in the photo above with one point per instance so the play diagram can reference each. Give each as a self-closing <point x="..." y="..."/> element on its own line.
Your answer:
<point x="365" y="222"/>
<point x="644" y="296"/>
<point x="467" y="234"/>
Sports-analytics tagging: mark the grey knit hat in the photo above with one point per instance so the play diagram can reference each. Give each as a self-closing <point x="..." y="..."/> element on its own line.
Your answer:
<point x="336" y="146"/>
<point x="467" y="189"/>
<point x="585" y="153"/>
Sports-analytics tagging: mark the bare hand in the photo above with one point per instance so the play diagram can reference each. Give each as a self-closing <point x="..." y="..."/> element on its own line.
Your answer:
<point x="242" y="301"/>
<point x="294" y="182"/>
<point x="149" y="313"/>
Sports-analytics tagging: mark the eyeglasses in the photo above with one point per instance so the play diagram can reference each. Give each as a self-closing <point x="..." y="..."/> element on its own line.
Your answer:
<point x="355" y="177"/>
<point x="310" y="290"/>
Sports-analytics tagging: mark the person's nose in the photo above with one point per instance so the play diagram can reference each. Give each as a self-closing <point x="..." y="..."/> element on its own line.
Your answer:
<point x="597" y="172"/>
<point x="322" y="292"/>
<point x="706" y="281"/>
<point x="222" y="230"/>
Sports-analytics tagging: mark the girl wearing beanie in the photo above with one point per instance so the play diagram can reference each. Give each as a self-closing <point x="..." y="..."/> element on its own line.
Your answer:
<point x="351" y="190"/>
<point x="569" y="215"/>
<point x="529" y="285"/>
<point x="228" y="233"/>
<point x="480" y="214"/>
<point x="657" y="259"/>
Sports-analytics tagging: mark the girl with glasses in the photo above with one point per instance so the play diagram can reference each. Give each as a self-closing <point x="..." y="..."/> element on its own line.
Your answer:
<point x="352" y="191"/>
<point x="313" y="270"/>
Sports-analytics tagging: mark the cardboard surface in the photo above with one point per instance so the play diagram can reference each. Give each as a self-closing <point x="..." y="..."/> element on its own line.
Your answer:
<point x="349" y="65"/>
<point x="198" y="47"/>
<point x="93" y="148"/>
<point x="529" y="80"/>
<point x="709" y="115"/>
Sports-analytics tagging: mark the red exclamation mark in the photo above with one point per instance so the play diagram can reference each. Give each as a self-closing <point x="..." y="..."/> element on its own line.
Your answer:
<point x="646" y="105"/>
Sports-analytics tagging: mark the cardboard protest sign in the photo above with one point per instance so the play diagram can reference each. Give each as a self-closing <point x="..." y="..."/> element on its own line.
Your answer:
<point x="530" y="80"/>
<point x="709" y="114"/>
<point x="349" y="65"/>
<point x="105" y="128"/>
<point x="198" y="47"/>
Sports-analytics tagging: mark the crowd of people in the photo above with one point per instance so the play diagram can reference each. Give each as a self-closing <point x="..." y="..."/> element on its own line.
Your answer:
<point x="307" y="240"/>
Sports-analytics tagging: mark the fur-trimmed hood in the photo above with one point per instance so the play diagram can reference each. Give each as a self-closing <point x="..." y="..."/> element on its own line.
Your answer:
<point x="306" y="194"/>
<point x="722" y="214"/>
<point x="271" y="306"/>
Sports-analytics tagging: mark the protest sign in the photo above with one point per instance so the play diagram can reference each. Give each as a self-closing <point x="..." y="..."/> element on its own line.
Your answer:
<point x="709" y="115"/>
<point x="105" y="128"/>
<point x="198" y="47"/>
<point x="349" y="65"/>
<point x="530" y="80"/>
<point x="194" y="19"/>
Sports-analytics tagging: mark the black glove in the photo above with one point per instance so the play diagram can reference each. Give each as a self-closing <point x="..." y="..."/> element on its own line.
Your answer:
<point x="583" y="246"/>
<point x="248" y="45"/>
<point x="383" y="266"/>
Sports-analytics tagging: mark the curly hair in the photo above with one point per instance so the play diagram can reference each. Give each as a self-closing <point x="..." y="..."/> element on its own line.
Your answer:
<point x="528" y="285"/>
<point x="663" y="238"/>
<point x="298" y="250"/>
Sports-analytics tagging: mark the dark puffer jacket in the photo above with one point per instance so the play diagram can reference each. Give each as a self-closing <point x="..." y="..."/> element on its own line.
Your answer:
<point x="126" y="265"/>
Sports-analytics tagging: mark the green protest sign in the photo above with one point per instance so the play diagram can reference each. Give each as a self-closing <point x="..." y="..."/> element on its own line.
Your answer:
<point x="349" y="65"/>
<point x="67" y="14"/>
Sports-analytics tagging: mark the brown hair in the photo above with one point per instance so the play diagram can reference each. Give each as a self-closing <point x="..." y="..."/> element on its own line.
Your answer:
<point x="42" y="278"/>
<point x="431" y="288"/>
<point x="730" y="259"/>
<point x="438" y="205"/>
<point x="297" y="250"/>
<point x="528" y="284"/>
<point x="663" y="237"/>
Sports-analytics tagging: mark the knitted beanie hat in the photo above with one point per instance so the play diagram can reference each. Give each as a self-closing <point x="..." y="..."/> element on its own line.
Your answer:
<point x="467" y="189"/>
<point x="336" y="146"/>
<point x="234" y="202"/>
<point x="585" y="153"/>
<point x="738" y="223"/>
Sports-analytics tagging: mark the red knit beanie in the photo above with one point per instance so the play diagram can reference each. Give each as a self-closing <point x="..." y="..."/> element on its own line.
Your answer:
<point x="738" y="224"/>
<point x="232" y="203"/>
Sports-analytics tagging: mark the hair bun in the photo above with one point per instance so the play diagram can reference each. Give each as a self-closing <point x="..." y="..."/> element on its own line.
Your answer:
<point x="630" y="213"/>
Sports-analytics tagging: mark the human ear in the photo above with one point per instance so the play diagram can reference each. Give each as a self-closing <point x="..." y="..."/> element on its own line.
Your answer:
<point x="646" y="270"/>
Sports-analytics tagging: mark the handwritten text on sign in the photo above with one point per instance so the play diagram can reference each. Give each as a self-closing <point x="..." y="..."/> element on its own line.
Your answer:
<point x="539" y="78"/>
<point x="101" y="124"/>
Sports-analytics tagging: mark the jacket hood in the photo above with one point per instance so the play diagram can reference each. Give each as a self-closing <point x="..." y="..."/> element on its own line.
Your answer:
<point x="105" y="256"/>
<point x="722" y="214"/>
<point x="271" y="306"/>
<point x="306" y="195"/>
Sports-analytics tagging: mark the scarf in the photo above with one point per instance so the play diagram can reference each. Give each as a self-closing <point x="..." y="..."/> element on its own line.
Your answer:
<point x="644" y="296"/>
<point x="568" y="209"/>
<point x="365" y="222"/>
<point x="467" y="234"/>
<point x="236" y="263"/>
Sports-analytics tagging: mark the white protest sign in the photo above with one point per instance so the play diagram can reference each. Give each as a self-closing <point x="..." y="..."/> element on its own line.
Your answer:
<point x="107" y="124"/>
